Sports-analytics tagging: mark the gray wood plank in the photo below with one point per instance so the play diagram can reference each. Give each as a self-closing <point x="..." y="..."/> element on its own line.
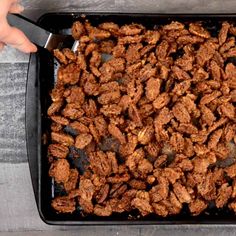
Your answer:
<point x="12" y="112"/>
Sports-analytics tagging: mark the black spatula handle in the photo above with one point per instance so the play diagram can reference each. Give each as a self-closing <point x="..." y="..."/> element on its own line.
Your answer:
<point x="35" y="33"/>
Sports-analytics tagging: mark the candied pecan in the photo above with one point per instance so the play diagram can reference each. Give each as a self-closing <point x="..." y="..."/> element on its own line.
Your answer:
<point x="230" y="53"/>
<point x="160" y="191"/>
<point x="130" y="39"/>
<point x="232" y="206"/>
<point x="227" y="45"/>
<point x="180" y="74"/>
<point x="145" y="135"/>
<point x="133" y="159"/>
<point x="115" y="132"/>
<point x="181" y="113"/>
<point x="63" y="204"/>
<point x="142" y="202"/>
<point x="109" y="97"/>
<point x="206" y="188"/>
<point x="177" y="142"/>
<point x="76" y="95"/>
<point x="62" y="138"/>
<point x="71" y="183"/>
<point x="223" y="32"/>
<point x="209" y="97"/>
<point x="227" y="109"/>
<point x="69" y="74"/>
<point x="205" y="52"/>
<point x="86" y="192"/>
<point x="91" y="87"/>
<point x="174" y="25"/>
<point x="189" y="148"/>
<point x="164" y="117"/>
<point x="71" y="111"/>
<point x="160" y="209"/>
<point x="146" y="111"/>
<point x="120" y="190"/>
<point x="100" y="125"/>
<point x="99" y="163"/>
<point x="60" y="56"/>
<point x="200" y="75"/>
<point x="119" y="178"/>
<point x="215" y="70"/>
<point x="214" y="138"/>
<point x="132" y="53"/>
<point x="144" y="167"/>
<point x="197" y="206"/>
<point x="181" y="193"/>
<point x="233" y="189"/>
<point x="174" y="206"/>
<point x="108" y="87"/>
<point x="132" y="29"/>
<point x="60" y="170"/>
<point x="172" y="174"/>
<point x="77" y="30"/>
<point x="58" y="150"/>
<point x="152" y="36"/>
<point x="153" y="88"/>
<point x="189" y="39"/>
<point x="162" y="50"/>
<point x="181" y="88"/>
<point x="207" y="116"/>
<point x="54" y="107"/>
<point x="55" y="127"/>
<point x="229" y="132"/>
<point x="187" y="128"/>
<point x="103" y="193"/>
<point x="231" y="171"/>
<point x="82" y="140"/>
<point x="197" y="29"/>
<point x="109" y="26"/>
<point x="230" y="71"/>
<point x="60" y="120"/>
<point x="185" y="62"/>
<point x="118" y="50"/>
<point x="79" y="127"/>
<point x="102" y="210"/>
<point x="106" y="47"/>
<point x="224" y="193"/>
<point x="111" y="110"/>
<point x="217" y="124"/>
<point x="161" y="101"/>
<point x="137" y="184"/>
<point x="185" y="165"/>
<point x="70" y="55"/>
<point x="160" y="161"/>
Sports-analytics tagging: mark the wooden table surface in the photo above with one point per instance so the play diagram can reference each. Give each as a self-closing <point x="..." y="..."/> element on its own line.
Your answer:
<point x="18" y="213"/>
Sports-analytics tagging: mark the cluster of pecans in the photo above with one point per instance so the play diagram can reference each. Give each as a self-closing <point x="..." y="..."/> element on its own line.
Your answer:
<point x="154" y="112"/>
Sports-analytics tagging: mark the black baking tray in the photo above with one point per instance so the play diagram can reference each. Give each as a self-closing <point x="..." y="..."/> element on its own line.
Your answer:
<point x="41" y="74"/>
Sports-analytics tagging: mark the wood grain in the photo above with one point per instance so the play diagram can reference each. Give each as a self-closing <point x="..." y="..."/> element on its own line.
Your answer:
<point x="12" y="112"/>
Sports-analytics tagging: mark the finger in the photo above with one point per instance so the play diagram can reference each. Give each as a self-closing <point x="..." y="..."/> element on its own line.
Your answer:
<point x="1" y="46"/>
<point x="16" y="8"/>
<point x="17" y="39"/>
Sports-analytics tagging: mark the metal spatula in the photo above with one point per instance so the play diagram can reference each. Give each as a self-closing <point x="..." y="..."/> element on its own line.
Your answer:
<point x="38" y="35"/>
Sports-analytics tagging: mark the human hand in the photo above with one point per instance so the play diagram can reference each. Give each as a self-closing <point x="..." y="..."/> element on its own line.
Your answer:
<point x="11" y="35"/>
